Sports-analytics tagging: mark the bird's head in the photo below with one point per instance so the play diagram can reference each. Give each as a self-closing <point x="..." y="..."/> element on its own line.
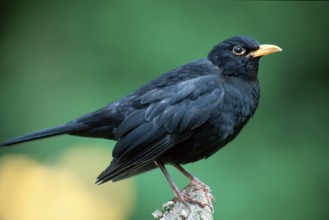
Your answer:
<point x="239" y="56"/>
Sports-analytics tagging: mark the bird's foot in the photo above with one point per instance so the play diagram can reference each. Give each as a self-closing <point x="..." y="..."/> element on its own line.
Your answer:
<point x="194" y="188"/>
<point x="189" y="203"/>
<point x="186" y="200"/>
<point x="200" y="185"/>
<point x="196" y="181"/>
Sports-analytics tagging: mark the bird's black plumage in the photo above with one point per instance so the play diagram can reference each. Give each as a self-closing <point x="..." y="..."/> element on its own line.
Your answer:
<point x="182" y="116"/>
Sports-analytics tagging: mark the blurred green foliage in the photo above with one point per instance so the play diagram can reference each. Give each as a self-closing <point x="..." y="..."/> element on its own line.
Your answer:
<point x="61" y="59"/>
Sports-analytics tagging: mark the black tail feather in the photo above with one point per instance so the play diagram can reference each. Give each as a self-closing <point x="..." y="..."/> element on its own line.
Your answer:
<point x="62" y="129"/>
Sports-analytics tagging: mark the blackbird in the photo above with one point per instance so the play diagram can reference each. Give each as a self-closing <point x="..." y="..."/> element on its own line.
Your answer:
<point x="182" y="116"/>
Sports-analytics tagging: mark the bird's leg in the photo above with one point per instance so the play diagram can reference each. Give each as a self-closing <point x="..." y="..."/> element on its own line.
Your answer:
<point x="169" y="179"/>
<point x="190" y="176"/>
<point x="181" y="195"/>
<point x="194" y="181"/>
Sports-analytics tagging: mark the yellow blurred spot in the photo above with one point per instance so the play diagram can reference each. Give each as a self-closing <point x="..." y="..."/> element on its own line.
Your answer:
<point x="33" y="191"/>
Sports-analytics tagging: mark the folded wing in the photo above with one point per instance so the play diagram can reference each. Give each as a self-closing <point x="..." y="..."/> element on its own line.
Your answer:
<point x="163" y="118"/>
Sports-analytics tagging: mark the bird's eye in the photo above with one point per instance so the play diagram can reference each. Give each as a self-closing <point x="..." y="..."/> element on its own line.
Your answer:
<point x="237" y="50"/>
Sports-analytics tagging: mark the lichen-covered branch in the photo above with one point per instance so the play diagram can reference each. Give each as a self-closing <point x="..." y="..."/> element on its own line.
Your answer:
<point x="197" y="204"/>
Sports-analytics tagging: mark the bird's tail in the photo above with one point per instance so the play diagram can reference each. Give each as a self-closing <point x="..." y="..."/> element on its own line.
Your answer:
<point x="62" y="129"/>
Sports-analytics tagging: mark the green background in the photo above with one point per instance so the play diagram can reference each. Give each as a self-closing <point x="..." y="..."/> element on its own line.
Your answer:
<point x="62" y="59"/>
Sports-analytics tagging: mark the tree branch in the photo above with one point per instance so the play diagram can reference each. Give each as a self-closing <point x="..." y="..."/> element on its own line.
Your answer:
<point x="197" y="204"/>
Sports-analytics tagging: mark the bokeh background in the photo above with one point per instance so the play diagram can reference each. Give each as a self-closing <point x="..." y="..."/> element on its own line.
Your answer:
<point x="61" y="59"/>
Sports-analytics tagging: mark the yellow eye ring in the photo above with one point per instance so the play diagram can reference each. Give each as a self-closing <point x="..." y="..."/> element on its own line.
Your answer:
<point x="238" y="50"/>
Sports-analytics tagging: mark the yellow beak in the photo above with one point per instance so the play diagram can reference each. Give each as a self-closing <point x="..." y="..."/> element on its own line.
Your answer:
<point x="265" y="49"/>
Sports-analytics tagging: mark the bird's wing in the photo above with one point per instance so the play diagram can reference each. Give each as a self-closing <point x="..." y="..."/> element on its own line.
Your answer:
<point x="163" y="118"/>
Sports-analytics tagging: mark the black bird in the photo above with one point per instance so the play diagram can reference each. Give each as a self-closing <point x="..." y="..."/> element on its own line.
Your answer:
<point x="180" y="117"/>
